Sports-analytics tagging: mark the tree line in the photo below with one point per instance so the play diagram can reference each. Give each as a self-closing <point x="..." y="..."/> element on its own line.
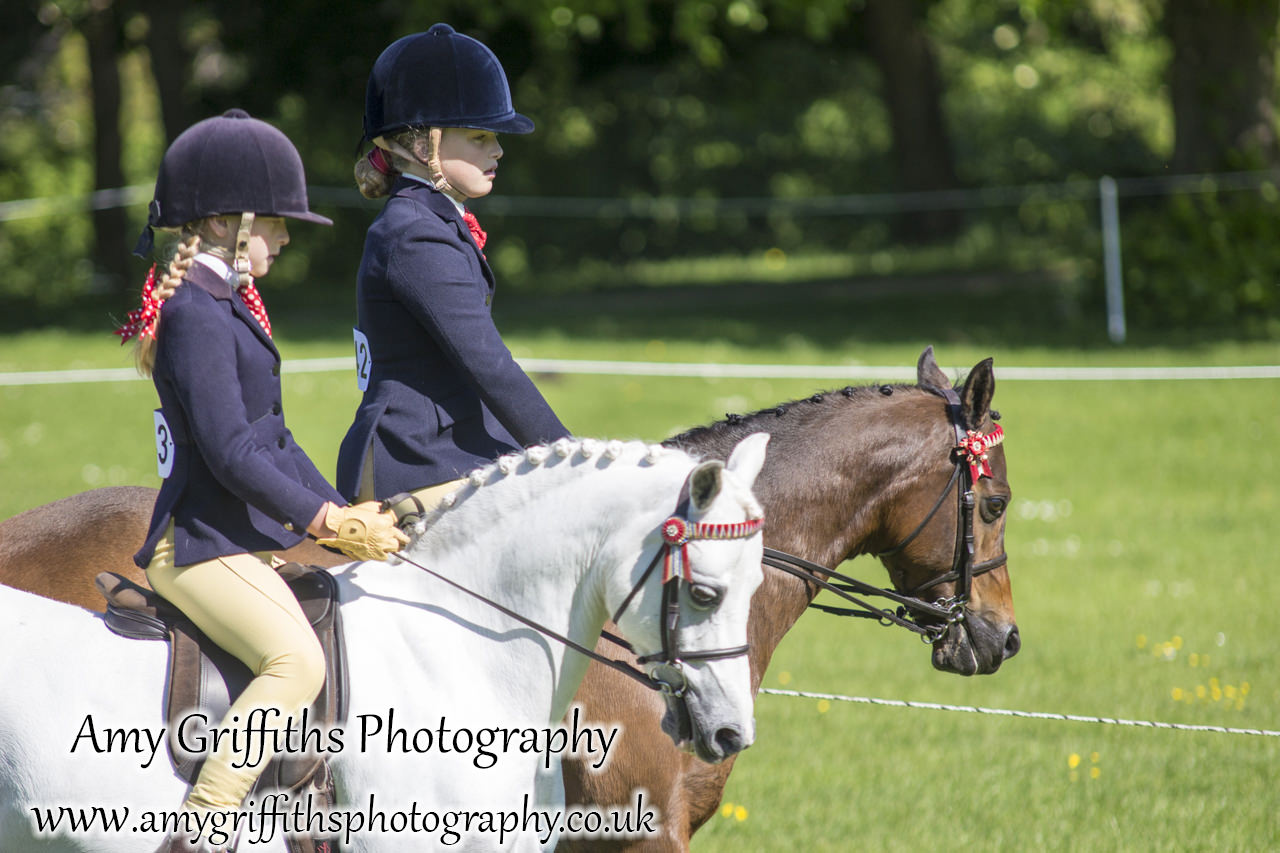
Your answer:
<point x="640" y="99"/>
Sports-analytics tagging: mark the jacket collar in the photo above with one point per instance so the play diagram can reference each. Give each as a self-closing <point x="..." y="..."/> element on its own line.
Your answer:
<point x="203" y="276"/>
<point x="444" y="207"/>
<point x="423" y="192"/>
<point x="219" y="287"/>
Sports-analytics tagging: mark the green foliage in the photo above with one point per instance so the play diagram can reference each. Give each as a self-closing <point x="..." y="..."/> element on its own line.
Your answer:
<point x="1205" y="260"/>
<point x="637" y="102"/>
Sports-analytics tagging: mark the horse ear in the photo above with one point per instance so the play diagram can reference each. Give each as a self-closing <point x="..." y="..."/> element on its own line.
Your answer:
<point x="975" y="399"/>
<point x="704" y="483"/>
<point x="747" y="458"/>
<point x="928" y="374"/>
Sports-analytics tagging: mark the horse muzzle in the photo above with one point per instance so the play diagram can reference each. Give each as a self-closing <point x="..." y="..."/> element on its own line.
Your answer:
<point x="976" y="646"/>
<point x="711" y="743"/>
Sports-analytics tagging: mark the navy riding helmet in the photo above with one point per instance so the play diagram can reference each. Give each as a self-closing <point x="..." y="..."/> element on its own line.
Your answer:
<point x="439" y="78"/>
<point x="231" y="163"/>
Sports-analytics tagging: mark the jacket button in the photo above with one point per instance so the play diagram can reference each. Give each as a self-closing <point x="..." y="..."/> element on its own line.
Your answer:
<point x="280" y="442"/>
<point x="288" y="525"/>
<point x="275" y="369"/>
<point x="275" y="408"/>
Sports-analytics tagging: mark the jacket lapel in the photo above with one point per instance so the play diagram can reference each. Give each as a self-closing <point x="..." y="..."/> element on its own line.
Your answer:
<point x="218" y="287"/>
<point x="440" y="204"/>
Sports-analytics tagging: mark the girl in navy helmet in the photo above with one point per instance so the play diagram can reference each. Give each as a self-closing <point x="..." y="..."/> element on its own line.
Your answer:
<point x="442" y="394"/>
<point x="236" y="485"/>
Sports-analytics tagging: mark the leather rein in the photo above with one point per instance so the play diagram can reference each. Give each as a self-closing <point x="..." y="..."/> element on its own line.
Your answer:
<point x="677" y="531"/>
<point x="969" y="457"/>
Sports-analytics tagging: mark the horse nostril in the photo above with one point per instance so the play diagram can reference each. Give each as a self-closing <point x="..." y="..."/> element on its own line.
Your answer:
<point x="730" y="741"/>
<point x="1012" y="642"/>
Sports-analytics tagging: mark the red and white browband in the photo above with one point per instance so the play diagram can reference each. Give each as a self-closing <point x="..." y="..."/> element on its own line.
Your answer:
<point x="677" y="533"/>
<point x="974" y="446"/>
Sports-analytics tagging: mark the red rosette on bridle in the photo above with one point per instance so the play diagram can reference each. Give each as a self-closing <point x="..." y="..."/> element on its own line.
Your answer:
<point x="675" y="535"/>
<point x="974" y="447"/>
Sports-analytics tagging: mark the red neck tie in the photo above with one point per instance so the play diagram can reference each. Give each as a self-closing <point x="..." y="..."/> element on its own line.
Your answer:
<point x="253" y="301"/>
<point x="477" y="233"/>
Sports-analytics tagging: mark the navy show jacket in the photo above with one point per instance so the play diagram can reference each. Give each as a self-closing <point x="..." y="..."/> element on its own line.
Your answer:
<point x="444" y="395"/>
<point x="239" y="481"/>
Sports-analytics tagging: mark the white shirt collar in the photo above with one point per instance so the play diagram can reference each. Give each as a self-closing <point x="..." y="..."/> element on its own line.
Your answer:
<point x="423" y="180"/>
<point x="219" y="266"/>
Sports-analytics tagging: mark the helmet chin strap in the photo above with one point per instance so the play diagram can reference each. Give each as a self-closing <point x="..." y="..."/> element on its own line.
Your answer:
<point x="241" y="263"/>
<point x="435" y="171"/>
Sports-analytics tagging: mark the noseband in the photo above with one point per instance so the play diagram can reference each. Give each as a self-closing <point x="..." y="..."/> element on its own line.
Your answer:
<point x="677" y="532"/>
<point x="969" y="456"/>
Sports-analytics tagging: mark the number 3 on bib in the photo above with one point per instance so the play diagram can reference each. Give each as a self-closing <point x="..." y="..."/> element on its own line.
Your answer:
<point x="364" y="360"/>
<point x="164" y="446"/>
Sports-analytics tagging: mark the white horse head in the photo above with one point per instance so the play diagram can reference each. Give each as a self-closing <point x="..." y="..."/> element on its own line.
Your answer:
<point x="560" y="534"/>
<point x="706" y="711"/>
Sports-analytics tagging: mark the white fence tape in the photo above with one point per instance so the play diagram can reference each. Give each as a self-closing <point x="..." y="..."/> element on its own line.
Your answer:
<point x="837" y="372"/>
<point x="1034" y="715"/>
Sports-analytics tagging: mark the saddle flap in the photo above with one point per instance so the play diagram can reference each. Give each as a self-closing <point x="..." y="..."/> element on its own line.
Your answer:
<point x="203" y="677"/>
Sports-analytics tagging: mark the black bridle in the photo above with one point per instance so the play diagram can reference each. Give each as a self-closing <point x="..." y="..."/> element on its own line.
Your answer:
<point x="968" y="456"/>
<point x="668" y="676"/>
<point x="677" y="532"/>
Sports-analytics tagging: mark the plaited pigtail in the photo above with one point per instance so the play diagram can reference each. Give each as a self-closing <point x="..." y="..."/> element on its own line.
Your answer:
<point x="144" y="352"/>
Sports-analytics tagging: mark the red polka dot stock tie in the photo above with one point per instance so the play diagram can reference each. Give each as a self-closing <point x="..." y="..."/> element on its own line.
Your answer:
<point x="473" y="225"/>
<point x="253" y="301"/>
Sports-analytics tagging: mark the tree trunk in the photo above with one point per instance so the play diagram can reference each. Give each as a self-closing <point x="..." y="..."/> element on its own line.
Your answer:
<point x="110" y="224"/>
<point x="913" y="95"/>
<point x="1223" y="81"/>
<point x="169" y="64"/>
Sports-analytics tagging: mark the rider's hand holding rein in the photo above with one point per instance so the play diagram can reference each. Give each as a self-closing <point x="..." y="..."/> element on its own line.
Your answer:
<point x="362" y="531"/>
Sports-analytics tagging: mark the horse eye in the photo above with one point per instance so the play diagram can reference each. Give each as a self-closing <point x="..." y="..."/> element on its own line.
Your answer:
<point x="993" y="508"/>
<point x="703" y="595"/>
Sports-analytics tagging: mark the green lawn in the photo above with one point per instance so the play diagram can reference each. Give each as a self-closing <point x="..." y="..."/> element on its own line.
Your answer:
<point x="1140" y="543"/>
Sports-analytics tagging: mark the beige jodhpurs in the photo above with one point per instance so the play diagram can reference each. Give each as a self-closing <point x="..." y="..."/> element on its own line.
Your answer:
<point x="242" y="605"/>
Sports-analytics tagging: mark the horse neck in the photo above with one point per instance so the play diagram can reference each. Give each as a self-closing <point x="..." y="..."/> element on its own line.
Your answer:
<point x="565" y="527"/>
<point x="834" y="469"/>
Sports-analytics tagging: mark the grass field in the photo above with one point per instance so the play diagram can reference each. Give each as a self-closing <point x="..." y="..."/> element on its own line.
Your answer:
<point x="1140" y="540"/>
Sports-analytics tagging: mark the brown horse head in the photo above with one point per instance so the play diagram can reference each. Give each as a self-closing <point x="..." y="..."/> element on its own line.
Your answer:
<point x="932" y="528"/>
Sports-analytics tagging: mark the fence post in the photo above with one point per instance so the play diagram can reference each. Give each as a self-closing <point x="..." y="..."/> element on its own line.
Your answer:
<point x="1111" y="258"/>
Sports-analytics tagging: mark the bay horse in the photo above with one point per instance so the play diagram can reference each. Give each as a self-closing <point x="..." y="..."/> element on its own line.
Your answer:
<point x="572" y="533"/>
<point x="858" y="471"/>
<point x="848" y="472"/>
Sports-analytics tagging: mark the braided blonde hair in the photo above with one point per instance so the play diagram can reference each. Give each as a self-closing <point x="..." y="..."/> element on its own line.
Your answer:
<point x="184" y="256"/>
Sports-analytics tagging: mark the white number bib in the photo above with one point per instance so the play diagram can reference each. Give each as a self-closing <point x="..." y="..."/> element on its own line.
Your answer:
<point x="364" y="360"/>
<point x="164" y="446"/>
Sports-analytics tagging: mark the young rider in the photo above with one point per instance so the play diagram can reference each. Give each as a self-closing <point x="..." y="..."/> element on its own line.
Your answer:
<point x="236" y="484"/>
<point x="442" y="393"/>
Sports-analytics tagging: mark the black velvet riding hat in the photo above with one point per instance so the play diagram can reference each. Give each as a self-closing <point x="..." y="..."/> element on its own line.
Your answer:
<point x="231" y="163"/>
<point x="439" y="78"/>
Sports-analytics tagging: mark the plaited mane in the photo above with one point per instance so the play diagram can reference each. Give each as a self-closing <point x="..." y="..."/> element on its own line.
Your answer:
<point x="773" y="418"/>
<point x="514" y="465"/>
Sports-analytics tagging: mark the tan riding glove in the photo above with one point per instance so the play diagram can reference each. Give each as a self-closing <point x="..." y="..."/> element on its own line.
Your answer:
<point x="363" y="531"/>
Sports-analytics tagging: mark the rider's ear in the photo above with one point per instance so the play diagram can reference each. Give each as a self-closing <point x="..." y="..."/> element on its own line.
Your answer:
<point x="975" y="399"/>
<point x="747" y="458"/>
<point x="704" y="483"/>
